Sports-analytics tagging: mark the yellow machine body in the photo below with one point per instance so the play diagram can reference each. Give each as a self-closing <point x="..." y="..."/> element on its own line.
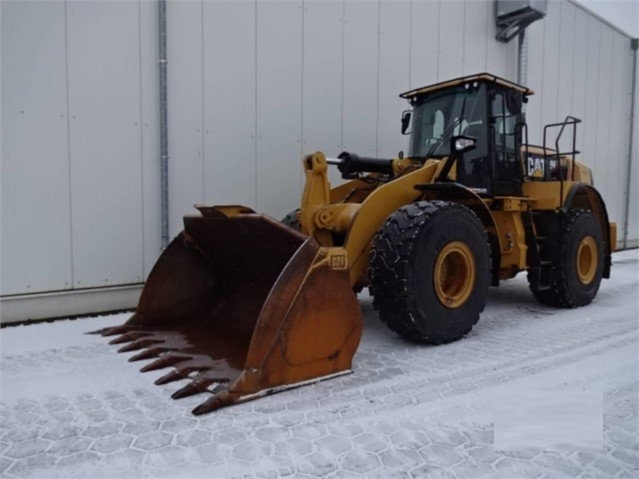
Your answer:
<point x="356" y="209"/>
<point x="241" y="305"/>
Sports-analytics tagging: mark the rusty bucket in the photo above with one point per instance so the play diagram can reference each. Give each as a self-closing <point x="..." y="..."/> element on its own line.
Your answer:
<point x="242" y="306"/>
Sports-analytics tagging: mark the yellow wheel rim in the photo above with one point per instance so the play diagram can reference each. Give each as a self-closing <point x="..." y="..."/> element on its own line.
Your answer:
<point x="454" y="274"/>
<point x="587" y="259"/>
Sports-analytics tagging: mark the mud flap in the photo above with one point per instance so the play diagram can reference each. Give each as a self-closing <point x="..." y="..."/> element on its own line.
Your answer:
<point x="242" y="306"/>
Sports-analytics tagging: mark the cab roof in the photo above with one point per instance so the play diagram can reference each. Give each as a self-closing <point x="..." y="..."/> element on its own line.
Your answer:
<point x="481" y="77"/>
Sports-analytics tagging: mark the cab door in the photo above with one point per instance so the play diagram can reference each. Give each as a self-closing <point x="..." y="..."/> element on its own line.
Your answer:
<point x="505" y="137"/>
<point x="474" y="166"/>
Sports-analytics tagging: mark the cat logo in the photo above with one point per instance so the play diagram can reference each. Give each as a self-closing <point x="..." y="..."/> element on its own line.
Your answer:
<point x="536" y="166"/>
<point x="337" y="258"/>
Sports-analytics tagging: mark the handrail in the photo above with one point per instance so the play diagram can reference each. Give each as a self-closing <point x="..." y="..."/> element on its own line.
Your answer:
<point x="523" y="127"/>
<point x="572" y="121"/>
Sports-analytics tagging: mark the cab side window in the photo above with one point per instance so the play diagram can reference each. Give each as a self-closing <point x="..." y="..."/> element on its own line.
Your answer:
<point x="474" y="170"/>
<point x="504" y="122"/>
<point x="430" y="131"/>
<point x="504" y="133"/>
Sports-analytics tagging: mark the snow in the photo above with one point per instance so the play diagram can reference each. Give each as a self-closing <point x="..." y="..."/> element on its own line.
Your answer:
<point x="531" y="391"/>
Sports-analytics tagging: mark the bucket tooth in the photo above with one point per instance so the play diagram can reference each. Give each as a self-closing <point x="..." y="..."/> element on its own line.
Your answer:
<point x="164" y="361"/>
<point x="148" y="354"/>
<point x="198" y="385"/>
<point x="100" y="331"/>
<point x="207" y="406"/>
<point x="139" y="344"/>
<point x="219" y="400"/>
<point x="123" y="328"/>
<point x="174" y="375"/>
<point x="130" y="336"/>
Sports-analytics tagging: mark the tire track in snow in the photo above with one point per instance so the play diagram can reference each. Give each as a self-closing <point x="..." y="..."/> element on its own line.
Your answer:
<point x="570" y="337"/>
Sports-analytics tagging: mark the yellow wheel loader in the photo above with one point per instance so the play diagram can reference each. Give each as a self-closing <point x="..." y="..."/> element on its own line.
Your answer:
<point x="243" y="305"/>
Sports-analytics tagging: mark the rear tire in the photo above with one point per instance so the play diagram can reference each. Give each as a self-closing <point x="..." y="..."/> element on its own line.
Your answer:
<point x="430" y="270"/>
<point x="578" y="261"/>
<point x="292" y="220"/>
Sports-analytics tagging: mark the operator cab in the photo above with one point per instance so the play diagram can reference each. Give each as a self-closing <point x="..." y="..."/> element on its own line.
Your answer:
<point x="484" y="107"/>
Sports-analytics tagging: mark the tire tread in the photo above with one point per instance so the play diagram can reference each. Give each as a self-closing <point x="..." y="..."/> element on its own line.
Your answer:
<point x="390" y="268"/>
<point x="559" y="295"/>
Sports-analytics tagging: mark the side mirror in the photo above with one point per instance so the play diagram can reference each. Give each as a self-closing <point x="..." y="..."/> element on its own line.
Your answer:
<point x="514" y="101"/>
<point x="462" y="143"/>
<point x="406" y="114"/>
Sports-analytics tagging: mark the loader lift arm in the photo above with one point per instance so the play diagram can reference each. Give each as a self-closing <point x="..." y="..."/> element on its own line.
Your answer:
<point x="241" y="305"/>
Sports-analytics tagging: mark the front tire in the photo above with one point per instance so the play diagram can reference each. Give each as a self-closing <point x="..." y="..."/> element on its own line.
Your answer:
<point x="578" y="261"/>
<point x="430" y="270"/>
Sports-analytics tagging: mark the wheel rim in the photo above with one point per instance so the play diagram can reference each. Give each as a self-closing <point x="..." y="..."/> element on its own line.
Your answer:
<point x="454" y="274"/>
<point x="587" y="259"/>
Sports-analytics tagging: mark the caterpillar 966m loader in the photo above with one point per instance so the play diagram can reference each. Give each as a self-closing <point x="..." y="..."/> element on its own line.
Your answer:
<point x="243" y="305"/>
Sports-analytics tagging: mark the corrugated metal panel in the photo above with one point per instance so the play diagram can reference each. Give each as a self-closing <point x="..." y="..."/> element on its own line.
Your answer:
<point x="604" y="163"/>
<point x="549" y="94"/>
<point x="361" y="61"/>
<point x="589" y="125"/>
<point x="633" y="218"/>
<point x="36" y="241"/>
<point x="500" y="56"/>
<point x="615" y="148"/>
<point x="476" y="20"/>
<point x="624" y="105"/>
<point x="279" y="111"/>
<point x="593" y="62"/>
<point x="185" y="110"/>
<point x="322" y="89"/>
<point x="565" y="67"/>
<point x="451" y="40"/>
<point x="325" y="77"/>
<point x="584" y="70"/>
<point x="633" y="214"/>
<point x="104" y="103"/>
<point x="394" y="64"/>
<point x="149" y="108"/>
<point x="620" y="113"/>
<point x="579" y="71"/>
<point x="424" y="29"/>
<point x="613" y="144"/>
<point x="535" y="33"/>
<point x="229" y="103"/>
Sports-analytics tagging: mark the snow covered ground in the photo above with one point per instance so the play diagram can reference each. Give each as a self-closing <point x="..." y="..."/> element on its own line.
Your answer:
<point x="531" y="392"/>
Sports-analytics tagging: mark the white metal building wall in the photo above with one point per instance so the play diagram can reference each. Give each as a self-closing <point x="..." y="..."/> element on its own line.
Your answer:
<point x="303" y="76"/>
<point x="79" y="144"/>
<point x="252" y="87"/>
<point x="582" y="66"/>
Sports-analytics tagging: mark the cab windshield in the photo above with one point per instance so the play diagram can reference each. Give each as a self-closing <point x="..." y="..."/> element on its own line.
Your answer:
<point x="443" y="114"/>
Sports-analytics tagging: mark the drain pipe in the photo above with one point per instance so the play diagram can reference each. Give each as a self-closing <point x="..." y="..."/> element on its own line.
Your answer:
<point x="633" y="101"/>
<point x="522" y="63"/>
<point x="164" y="143"/>
<point x="522" y="58"/>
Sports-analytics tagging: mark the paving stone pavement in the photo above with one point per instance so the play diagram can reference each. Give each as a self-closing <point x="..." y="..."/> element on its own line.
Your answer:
<point x="72" y="407"/>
